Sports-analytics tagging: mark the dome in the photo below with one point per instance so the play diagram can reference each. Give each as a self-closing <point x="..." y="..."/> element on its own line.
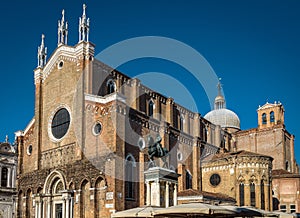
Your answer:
<point x="223" y="117"/>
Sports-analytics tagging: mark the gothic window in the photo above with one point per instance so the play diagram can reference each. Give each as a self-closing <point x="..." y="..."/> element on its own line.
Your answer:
<point x="264" y="118"/>
<point x="215" y="179"/>
<point x="150" y="108"/>
<point x="272" y="117"/>
<point x="252" y="194"/>
<point x="287" y="166"/>
<point x="181" y="123"/>
<point x="111" y="86"/>
<point x="188" y="180"/>
<point x="262" y="194"/>
<point x="4" y="177"/>
<point x="60" y="123"/>
<point x="242" y="194"/>
<point x="129" y="177"/>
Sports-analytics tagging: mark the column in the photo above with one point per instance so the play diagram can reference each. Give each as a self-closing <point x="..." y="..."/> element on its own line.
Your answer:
<point x="167" y="195"/>
<point x="148" y="195"/>
<point x="64" y="208"/>
<point x="175" y="195"/>
<point x="71" y="206"/>
<point x="13" y="175"/>
<point x="49" y="207"/>
<point x="40" y="208"/>
<point x="36" y="211"/>
<point x="8" y="177"/>
<point x="247" y="194"/>
<point x="67" y="207"/>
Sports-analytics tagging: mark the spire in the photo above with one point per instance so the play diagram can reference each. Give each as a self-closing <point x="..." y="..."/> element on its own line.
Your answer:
<point x="62" y="30"/>
<point x="42" y="53"/>
<point x="219" y="100"/>
<point x="6" y="138"/>
<point x="84" y="26"/>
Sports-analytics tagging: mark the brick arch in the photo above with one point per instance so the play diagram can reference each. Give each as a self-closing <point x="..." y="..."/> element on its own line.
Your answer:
<point x="71" y="185"/>
<point x="99" y="178"/>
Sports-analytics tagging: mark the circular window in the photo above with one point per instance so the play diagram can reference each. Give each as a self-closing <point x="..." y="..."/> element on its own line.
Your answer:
<point x="60" y="65"/>
<point x="215" y="179"/>
<point x="29" y="150"/>
<point x="179" y="155"/>
<point x="60" y="123"/>
<point x="141" y="143"/>
<point x="97" y="128"/>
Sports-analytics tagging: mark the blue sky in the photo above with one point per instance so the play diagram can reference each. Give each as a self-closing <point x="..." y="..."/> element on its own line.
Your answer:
<point x="252" y="45"/>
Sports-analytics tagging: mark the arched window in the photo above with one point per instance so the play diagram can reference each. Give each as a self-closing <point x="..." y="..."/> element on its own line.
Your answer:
<point x="272" y="117"/>
<point x="111" y="86"/>
<point x="252" y="194"/>
<point x="150" y="108"/>
<point x="4" y="177"/>
<point x="242" y="194"/>
<point x="287" y="166"/>
<point x="188" y="180"/>
<point x="264" y="118"/>
<point x="262" y="194"/>
<point x="181" y="123"/>
<point x="129" y="177"/>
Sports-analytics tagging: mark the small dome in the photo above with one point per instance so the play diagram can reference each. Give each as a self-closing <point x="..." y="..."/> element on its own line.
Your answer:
<point x="223" y="117"/>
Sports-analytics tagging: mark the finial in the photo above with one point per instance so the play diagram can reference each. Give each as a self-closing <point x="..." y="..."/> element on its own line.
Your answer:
<point x="84" y="7"/>
<point x="42" y="53"/>
<point x="62" y="30"/>
<point x="84" y="26"/>
<point x="219" y="87"/>
<point x="6" y="138"/>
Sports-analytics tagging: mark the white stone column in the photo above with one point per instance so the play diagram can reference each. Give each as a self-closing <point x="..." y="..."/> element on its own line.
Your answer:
<point x="13" y="183"/>
<point x="68" y="207"/>
<point x="71" y="207"/>
<point x="49" y="208"/>
<point x="148" y="194"/>
<point x="36" y="211"/>
<point x="175" y="194"/>
<point x="64" y="208"/>
<point x="40" y="203"/>
<point x="8" y="177"/>
<point x="167" y="195"/>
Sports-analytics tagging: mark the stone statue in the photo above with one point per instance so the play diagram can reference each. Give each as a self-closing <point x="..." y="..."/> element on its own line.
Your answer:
<point x="155" y="149"/>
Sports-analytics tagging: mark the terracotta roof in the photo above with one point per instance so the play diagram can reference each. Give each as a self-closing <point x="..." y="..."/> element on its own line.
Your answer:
<point x="210" y="195"/>
<point x="280" y="173"/>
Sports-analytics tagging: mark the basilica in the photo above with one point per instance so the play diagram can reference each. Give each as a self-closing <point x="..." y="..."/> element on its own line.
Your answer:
<point x="84" y="153"/>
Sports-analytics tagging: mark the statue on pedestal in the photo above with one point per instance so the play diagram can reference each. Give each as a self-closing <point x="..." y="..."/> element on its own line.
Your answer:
<point x="155" y="149"/>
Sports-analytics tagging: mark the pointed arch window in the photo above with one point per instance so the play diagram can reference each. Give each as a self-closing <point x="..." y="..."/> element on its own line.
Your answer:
<point x="287" y="166"/>
<point x="272" y="117"/>
<point x="242" y="194"/>
<point x="130" y="166"/>
<point x="264" y="118"/>
<point x="111" y="86"/>
<point x="262" y="194"/>
<point x="188" y="180"/>
<point x="150" y="108"/>
<point x="4" y="177"/>
<point x="181" y="122"/>
<point x="252" y="194"/>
